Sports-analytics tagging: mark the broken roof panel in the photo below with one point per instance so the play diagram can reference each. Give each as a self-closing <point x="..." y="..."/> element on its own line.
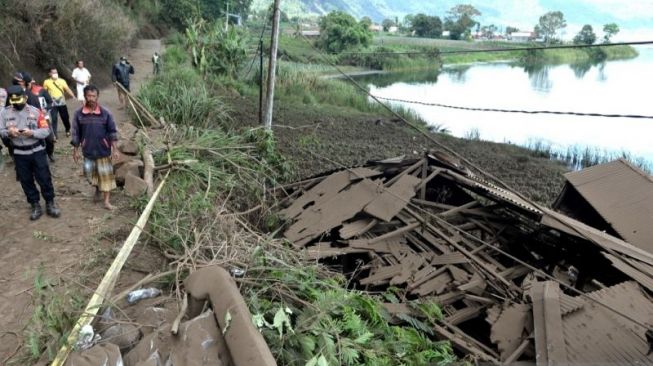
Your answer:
<point x="623" y="195"/>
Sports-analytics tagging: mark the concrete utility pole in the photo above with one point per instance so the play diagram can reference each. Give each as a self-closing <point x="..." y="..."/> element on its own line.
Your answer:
<point x="272" y="66"/>
<point x="226" y="18"/>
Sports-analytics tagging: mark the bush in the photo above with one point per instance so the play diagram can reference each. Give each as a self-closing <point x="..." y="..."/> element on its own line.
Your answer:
<point x="181" y="97"/>
<point x="175" y="56"/>
<point x="340" y="31"/>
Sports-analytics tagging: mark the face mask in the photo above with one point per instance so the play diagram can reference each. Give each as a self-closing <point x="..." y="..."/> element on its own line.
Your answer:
<point x="123" y="62"/>
<point x="19" y="106"/>
<point x="55" y="76"/>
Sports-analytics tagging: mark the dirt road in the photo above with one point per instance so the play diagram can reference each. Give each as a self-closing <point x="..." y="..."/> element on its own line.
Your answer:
<point x="59" y="248"/>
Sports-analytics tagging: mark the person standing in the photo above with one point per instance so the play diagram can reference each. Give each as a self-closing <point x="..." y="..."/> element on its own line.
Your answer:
<point x="82" y="78"/>
<point x="94" y="130"/>
<point x="27" y="128"/>
<point x="156" y="64"/>
<point x="4" y="102"/>
<point x="3" y="97"/>
<point x="57" y="88"/>
<point x="120" y="74"/>
<point x="39" y="98"/>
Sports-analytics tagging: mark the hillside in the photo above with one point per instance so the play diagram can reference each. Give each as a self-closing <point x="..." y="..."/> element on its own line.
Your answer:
<point x="501" y="12"/>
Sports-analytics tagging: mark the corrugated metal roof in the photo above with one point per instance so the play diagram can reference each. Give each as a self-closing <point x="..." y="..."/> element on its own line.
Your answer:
<point x="595" y="335"/>
<point x="623" y="195"/>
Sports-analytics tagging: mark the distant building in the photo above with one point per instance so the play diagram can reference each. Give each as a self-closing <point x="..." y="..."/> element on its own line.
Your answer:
<point x="520" y="36"/>
<point x="393" y="29"/>
<point x="376" y="28"/>
<point x="311" y="33"/>
<point x="615" y="197"/>
<point x="446" y="34"/>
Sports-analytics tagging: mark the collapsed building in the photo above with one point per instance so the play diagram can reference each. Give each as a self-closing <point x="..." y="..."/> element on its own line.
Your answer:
<point x="515" y="281"/>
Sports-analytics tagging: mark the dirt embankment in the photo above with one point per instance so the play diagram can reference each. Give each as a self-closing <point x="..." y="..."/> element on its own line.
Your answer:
<point x="76" y="248"/>
<point x="309" y="136"/>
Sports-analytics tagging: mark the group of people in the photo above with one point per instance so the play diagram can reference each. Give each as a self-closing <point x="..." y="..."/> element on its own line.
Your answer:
<point x="29" y="130"/>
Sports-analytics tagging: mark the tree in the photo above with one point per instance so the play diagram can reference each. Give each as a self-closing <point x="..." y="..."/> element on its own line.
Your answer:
<point x="366" y="21"/>
<point x="427" y="26"/>
<point x="585" y="36"/>
<point x="511" y="30"/>
<point x="610" y="30"/>
<point x="460" y="20"/>
<point x="549" y="25"/>
<point x="178" y="13"/>
<point x="488" y="31"/>
<point x="407" y="24"/>
<point x="339" y="31"/>
<point x="387" y="24"/>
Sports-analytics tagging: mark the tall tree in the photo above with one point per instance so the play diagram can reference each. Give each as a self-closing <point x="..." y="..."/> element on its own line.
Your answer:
<point x="427" y="26"/>
<point x="610" y="30"/>
<point x="460" y="20"/>
<point x="387" y="23"/>
<point x="339" y="31"/>
<point x="511" y="30"/>
<point x="549" y="25"/>
<point x="585" y="36"/>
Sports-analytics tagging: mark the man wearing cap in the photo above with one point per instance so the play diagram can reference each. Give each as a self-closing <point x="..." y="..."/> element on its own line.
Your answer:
<point x="120" y="74"/>
<point x="27" y="128"/>
<point x="38" y="97"/>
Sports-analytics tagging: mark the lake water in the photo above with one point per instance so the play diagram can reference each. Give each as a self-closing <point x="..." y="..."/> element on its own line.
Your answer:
<point x="614" y="87"/>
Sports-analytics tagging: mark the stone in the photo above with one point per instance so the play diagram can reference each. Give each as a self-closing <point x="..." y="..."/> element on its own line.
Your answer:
<point x="135" y="186"/>
<point x="120" y="160"/>
<point x="128" y="147"/>
<point x="154" y="317"/>
<point x="125" y="336"/>
<point x="132" y="167"/>
<point x="127" y="131"/>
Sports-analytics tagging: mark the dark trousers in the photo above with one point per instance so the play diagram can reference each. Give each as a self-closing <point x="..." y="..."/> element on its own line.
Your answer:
<point x="61" y="110"/>
<point x="49" y="144"/>
<point x="7" y="142"/>
<point x="34" y="167"/>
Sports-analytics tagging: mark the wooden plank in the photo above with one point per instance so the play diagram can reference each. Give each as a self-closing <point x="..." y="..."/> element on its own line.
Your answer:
<point x="325" y="250"/>
<point x="107" y="283"/>
<point x="406" y="171"/>
<point x="435" y="285"/>
<point x="451" y="258"/>
<point x="332" y="213"/>
<point x="549" y="338"/>
<point x="357" y="228"/>
<point x="382" y="275"/>
<point x="323" y="191"/>
<point x="464" y="314"/>
<point x="422" y="185"/>
<point x="386" y="206"/>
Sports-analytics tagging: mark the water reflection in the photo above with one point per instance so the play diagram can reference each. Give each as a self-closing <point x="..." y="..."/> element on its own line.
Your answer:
<point x="383" y="80"/>
<point x="538" y="74"/>
<point x="602" y="87"/>
<point x="457" y="74"/>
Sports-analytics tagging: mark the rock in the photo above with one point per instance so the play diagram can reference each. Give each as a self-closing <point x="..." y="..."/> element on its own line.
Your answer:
<point x="125" y="336"/>
<point x="120" y="161"/>
<point x="132" y="167"/>
<point x="128" y="147"/>
<point x="134" y="186"/>
<point x="127" y="131"/>
<point x="154" y="317"/>
<point x="100" y="354"/>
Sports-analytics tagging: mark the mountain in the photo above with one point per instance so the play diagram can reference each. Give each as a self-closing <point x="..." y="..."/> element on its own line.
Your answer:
<point x="633" y="15"/>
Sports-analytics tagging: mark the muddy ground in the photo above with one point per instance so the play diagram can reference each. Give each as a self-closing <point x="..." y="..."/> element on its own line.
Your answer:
<point x="76" y="248"/>
<point x="349" y="137"/>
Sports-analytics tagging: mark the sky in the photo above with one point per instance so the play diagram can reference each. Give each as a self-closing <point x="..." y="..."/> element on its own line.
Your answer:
<point x="635" y="17"/>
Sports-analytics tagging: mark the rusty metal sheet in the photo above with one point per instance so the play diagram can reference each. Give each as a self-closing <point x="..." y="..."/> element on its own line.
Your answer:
<point x="393" y="199"/>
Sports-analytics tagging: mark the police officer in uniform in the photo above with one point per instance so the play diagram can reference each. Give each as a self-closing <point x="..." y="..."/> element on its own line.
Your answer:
<point x="27" y="128"/>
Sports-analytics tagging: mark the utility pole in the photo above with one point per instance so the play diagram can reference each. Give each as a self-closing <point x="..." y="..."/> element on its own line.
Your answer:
<point x="226" y="18"/>
<point x="260" y="85"/>
<point x="272" y="67"/>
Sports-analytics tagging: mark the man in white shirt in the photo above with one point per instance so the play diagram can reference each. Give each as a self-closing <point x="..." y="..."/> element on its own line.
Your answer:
<point x="82" y="77"/>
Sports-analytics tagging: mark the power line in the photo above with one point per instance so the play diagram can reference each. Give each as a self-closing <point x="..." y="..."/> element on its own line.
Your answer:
<point x="436" y="52"/>
<point x="482" y="172"/>
<point x="584" y="114"/>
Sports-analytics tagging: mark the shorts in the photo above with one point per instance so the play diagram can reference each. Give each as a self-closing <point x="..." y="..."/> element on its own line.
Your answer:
<point x="99" y="172"/>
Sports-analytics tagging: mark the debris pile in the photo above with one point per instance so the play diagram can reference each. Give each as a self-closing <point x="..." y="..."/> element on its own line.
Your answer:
<point x="515" y="281"/>
<point x="223" y="335"/>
